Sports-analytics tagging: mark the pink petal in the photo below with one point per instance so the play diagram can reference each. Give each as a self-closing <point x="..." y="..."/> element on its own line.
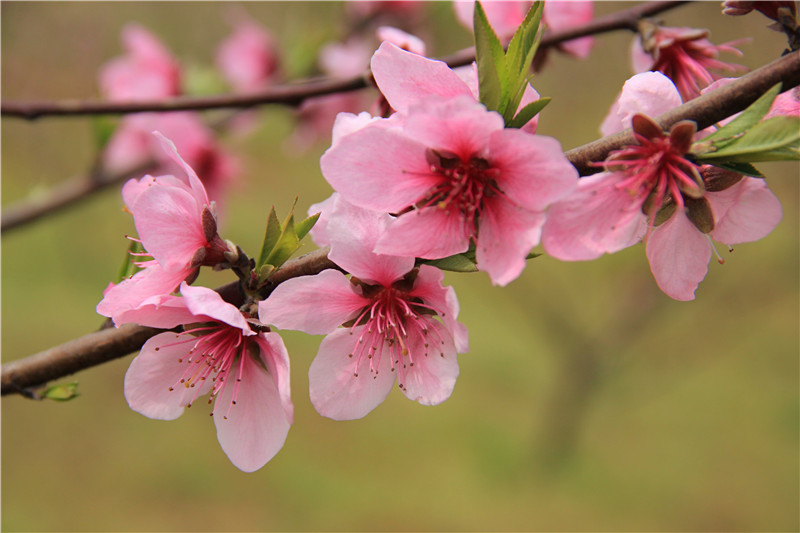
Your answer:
<point x="168" y="224"/>
<point x="430" y="380"/>
<point x="390" y="181"/>
<point x="459" y="125"/>
<point x="506" y="236"/>
<point x="253" y="430"/>
<point x="335" y="390"/>
<point x="428" y="287"/>
<point x="678" y="254"/>
<point x="598" y="218"/>
<point x="649" y="93"/>
<point x="276" y="359"/>
<point x="533" y="171"/>
<point x="745" y="212"/>
<point x="400" y="38"/>
<point x="197" y="188"/>
<point x="314" y="304"/>
<point x="153" y="372"/>
<point x="405" y="77"/>
<point x="202" y="301"/>
<point x="429" y="232"/>
<point x="354" y="232"/>
<point x="131" y="293"/>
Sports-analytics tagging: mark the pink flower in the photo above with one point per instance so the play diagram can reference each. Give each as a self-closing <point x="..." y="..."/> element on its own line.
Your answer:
<point x="399" y="322"/>
<point x="147" y="72"/>
<point x="455" y="176"/>
<point x="245" y="372"/>
<point x="177" y="227"/>
<point x="248" y="58"/>
<point x="133" y="143"/>
<point x="684" y="55"/>
<point x="653" y="191"/>
<point x="506" y="17"/>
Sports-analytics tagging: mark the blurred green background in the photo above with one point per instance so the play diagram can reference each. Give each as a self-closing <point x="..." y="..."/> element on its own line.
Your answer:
<point x="588" y="400"/>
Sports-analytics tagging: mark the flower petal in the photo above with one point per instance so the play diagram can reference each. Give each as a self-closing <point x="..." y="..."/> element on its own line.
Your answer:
<point x="678" y="254"/>
<point x="533" y="169"/>
<point x="429" y="232"/>
<point x="154" y="372"/>
<point x="506" y="235"/>
<point x="428" y="287"/>
<point x="344" y="387"/>
<point x="203" y="301"/>
<point x="378" y="168"/>
<point x="650" y="93"/>
<point x="745" y="212"/>
<point x="597" y="218"/>
<point x="431" y="378"/>
<point x="314" y="304"/>
<point x="405" y="77"/>
<point x="252" y="430"/>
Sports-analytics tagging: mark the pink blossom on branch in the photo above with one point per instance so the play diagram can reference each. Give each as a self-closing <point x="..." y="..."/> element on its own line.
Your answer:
<point x="147" y="72"/>
<point x="455" y="176"/>
<point x="653" y="191"/>
<point x="399" y="321"/>
<point x="246" y="373"/>
<point x="177" y="227"/>
<point x="248" y="58"/>
<point x="684" y="55"/>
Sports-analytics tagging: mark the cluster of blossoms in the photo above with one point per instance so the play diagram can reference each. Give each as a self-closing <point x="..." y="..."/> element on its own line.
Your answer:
<point x="434" y="174"/>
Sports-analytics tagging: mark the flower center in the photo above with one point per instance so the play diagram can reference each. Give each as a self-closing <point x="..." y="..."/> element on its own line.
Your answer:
<point x="217" y="353"/>
<point x="394" y="324"/>
<point x="462" y="186"/>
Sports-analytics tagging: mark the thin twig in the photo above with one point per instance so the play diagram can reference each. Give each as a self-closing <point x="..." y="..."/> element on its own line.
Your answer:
<point x="64" y="195"/>
<point x="295" y="93"/>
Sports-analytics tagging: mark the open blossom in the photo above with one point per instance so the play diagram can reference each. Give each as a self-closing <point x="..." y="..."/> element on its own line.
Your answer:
<point x="506" y="16"/>
<point x="399" y="322"/>
<point x="177" y="227"/>
<point x="245" y="372"/>
<point x="684" y="55"/>
<point x="652" y="191"/>
<point x="449" y="169"/>
<point x="248" y="58"/>
<point x="147" y="72"/>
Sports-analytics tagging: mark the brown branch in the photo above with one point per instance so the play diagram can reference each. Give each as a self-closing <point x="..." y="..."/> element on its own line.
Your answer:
<point x="64" y="195"/>
<point x="295" y="93"/>
<point x="22" y="375"/>
<point x="705" y="110"/>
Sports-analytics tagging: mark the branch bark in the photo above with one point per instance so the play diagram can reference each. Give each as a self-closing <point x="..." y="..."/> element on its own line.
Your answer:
<point x="295" y="93"/>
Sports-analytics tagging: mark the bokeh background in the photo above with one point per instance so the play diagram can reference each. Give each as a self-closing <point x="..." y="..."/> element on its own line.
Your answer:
<point x="588" y="400"/>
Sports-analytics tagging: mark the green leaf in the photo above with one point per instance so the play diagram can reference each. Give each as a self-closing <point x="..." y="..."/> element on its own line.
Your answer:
<point x="746" y="119"/>
<point x="490" y="57"/>
<point x="741" y="168"/>
<point x="520" y="54"/>
<point x="271" y="235"/>
<point x="528" y="112"/>
<point x="304" y="226"/>
<point x="533" y="255"/>
<point x="776" y="139"/>
<point x="62" y="393"/>
<point x="287" y="244"/>
<point x="454" y="263"/>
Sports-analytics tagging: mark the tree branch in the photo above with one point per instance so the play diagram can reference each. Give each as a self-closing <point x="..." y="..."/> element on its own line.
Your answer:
<point x="295" y="93"/>
<point x="65" y="194"/>
<point x="705" y="110"/>
<point x="22" y="375"/>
